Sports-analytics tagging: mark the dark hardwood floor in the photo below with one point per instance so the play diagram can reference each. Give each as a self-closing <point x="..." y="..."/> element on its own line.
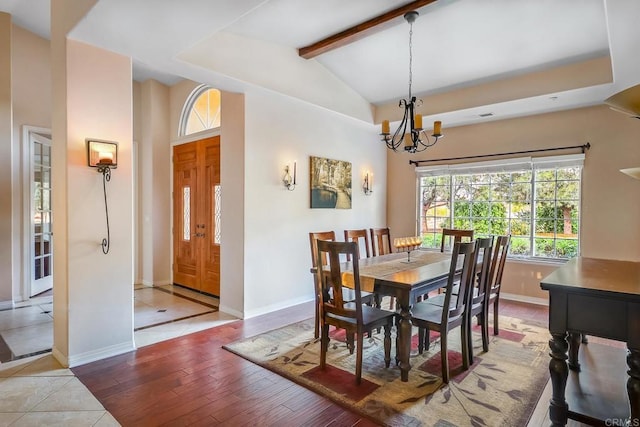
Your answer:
<point x="191" y="380"/>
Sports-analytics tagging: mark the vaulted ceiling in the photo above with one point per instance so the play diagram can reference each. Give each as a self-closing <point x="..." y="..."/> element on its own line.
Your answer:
<point x="472" y="60"/>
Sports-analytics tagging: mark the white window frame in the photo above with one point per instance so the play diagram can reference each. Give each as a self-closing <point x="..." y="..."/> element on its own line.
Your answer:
<point x="524" y="164"/>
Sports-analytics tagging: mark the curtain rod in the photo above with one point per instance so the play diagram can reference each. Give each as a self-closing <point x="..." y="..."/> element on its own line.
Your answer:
<point x="583" y="147"/>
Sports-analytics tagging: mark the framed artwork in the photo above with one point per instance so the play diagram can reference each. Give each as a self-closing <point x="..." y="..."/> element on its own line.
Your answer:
<point x="330" y="183"/>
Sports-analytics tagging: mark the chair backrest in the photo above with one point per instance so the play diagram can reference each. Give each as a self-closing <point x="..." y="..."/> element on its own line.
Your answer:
<point x="313" y="238"/>
<point x="329" y="276"/>
<point x="456" y="235"/>
<point x="462" y="259"/>
<point x="498" y="260"/>
<point x="380" y="241"/>
<point x="478" y="293"/>
<point x="355" y="236"/>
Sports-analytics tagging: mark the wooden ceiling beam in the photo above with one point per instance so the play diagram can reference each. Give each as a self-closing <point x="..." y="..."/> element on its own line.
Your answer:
<point x="360" y="31"/>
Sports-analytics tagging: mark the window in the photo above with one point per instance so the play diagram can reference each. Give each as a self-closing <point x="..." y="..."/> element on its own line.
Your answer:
<point x="201" y="111"/>
<point x="536" y="200"/>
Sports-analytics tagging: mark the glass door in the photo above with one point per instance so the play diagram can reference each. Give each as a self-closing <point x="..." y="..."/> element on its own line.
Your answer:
<point x="41" y="237"/>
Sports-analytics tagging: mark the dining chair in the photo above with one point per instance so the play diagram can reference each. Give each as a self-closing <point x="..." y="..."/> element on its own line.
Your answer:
<point x="478" y="306"/>
<point x="381" y="245"/>
<point x="451" y="314"/>
<point x="355" y="236"/>
<point x="380" y="241"/>
<point x="451" y="236"/>
<point x="368" y="298"/>
<point x="454" y="234"/>
<point x="313" y="238"/>
<point x="498" y="260"/>
<point x="355" y="317"/>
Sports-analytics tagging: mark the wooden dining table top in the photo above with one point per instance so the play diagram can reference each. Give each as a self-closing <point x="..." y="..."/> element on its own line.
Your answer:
<point x="394" y="270"/>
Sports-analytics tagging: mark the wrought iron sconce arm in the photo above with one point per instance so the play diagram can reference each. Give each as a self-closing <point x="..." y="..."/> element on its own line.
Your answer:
<point x="106" y="177"/>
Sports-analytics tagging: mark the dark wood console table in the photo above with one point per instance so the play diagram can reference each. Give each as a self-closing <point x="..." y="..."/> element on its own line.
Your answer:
<point x="594" y="297"/>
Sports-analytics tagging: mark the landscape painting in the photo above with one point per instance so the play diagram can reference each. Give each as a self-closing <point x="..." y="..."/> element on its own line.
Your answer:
<point x="330" y="183"/>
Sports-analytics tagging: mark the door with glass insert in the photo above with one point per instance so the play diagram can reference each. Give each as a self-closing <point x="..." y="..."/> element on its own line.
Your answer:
<point x="196" y="215"/>
<point x="41" y="234"/>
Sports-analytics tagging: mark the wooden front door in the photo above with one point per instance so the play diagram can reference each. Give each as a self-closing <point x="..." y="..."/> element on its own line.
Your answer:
<point x="196" y="215"/>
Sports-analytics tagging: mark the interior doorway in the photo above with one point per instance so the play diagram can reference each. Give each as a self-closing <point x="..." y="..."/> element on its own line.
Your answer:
<point x="39" y="213"/>
<point x="196" y="215"/>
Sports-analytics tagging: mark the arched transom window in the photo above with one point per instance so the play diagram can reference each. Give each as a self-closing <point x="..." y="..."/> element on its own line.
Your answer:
<point x="201" y="111"/>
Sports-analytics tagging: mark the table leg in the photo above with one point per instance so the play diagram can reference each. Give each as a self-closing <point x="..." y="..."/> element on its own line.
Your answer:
<point x="404" y="343"/>
<point x="558" y="408"/>
<point x="574" y="347"/>
<point x="633" y="385"/>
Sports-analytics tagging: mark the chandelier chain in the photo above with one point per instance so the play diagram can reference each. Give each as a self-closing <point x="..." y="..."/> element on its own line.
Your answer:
<point x="410" y="58"/>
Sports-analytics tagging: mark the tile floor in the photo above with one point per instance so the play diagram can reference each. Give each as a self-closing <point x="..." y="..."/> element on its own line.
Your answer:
<point x="36" y="390"/>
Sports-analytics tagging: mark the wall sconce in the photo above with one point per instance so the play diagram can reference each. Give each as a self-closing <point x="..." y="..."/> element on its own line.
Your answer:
<point x="287" y="179"/>
<point x="103" y="155"/>
<point x="367" y="185"/>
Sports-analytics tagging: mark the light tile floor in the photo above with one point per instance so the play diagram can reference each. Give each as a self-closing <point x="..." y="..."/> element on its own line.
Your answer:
<point x="35" y="390"/>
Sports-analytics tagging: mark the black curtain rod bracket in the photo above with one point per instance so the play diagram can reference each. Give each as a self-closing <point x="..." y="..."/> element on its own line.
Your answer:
<point x="583" y="148"/>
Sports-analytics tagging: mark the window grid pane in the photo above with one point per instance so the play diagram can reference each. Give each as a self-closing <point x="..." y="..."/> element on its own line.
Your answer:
<point x="186" y="213"/>
<point x="217" y="212"/>
<point x="540" y="209"/>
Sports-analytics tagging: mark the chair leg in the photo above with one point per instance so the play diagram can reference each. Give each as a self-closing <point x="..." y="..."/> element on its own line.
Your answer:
<point x="427" y="339"/>
<point x="465" y="341"/>
<point x="359" y="358"/>
<point x="495" y="317"/>
<point x="350" y="344"/>
<point x="316" y="332"/>
<point x="484" y="326"/>
<point x="444" y="356"/>
<point x="324" y="344"/>
<point x="387" y="345"/>
<point x="467" y="331"/>
<point x="420" y="340"/>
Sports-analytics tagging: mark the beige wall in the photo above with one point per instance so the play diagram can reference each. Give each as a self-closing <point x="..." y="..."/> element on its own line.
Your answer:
<point x="155" y="184"/>
<point x="31" y="81"/>
<point x="610" y="199"/>
<point x="93" y="292"/>
<point x="5" y="160"/>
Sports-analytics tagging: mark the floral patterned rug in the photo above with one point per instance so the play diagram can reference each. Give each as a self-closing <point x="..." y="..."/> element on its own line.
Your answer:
<point x="502" y="387"/>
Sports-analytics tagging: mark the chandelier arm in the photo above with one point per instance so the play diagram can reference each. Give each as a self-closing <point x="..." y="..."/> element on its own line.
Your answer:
<point x="396" y="139"/>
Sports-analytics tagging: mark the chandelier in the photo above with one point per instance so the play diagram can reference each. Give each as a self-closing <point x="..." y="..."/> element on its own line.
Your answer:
<point x="410" y="131"/>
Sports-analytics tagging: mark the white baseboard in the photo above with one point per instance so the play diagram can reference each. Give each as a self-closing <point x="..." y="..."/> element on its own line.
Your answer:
<point x="522" y="298"/>
<point x="275" y="307"/>
<point x="6" y="305"/>
<point x="146" y="283"/>
<point x="235" y="313"/>
<point x="103" y="353"/>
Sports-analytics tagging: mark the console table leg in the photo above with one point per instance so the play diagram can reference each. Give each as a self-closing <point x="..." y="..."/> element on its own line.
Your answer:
<point x="633" y="385"/>
<point x="558" y="408"/>
<point x="574" y="347"/>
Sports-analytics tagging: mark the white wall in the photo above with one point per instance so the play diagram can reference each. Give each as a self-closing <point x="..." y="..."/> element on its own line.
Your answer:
<point x="277" y="222"/>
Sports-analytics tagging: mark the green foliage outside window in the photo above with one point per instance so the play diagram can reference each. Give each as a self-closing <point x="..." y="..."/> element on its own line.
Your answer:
<point x="540" y="209"/>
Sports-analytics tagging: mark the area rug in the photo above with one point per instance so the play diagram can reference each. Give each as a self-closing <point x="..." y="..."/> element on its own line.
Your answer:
<point x="502" y="387"/>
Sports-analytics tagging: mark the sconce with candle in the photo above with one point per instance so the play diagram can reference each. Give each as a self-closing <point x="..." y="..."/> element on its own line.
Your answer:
<point x="367" y="185"/>
<point x="289" y="180"/>
<point x="103" y="155"/>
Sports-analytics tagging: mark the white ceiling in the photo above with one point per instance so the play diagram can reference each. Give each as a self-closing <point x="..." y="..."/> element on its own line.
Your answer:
<point x="457" y="44"/>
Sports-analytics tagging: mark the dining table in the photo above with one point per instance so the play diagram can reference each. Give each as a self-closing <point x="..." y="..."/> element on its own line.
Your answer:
<point x="405" y="277"/>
